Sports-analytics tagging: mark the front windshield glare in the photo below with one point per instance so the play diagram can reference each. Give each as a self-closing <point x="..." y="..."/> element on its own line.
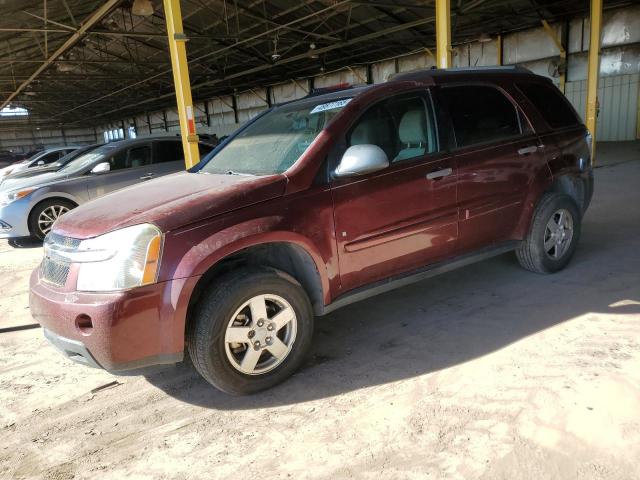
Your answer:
<point x="81" y="162"/>
<point x="275" y="141"/>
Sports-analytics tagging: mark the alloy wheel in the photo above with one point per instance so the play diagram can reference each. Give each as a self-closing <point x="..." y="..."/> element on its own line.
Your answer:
<point x="48" y="216"/>
<point x="558" y="234"/>
<point x="260" y="334"/>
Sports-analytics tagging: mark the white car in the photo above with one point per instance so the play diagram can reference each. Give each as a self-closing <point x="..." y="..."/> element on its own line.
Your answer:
<point x="38" y="160"/>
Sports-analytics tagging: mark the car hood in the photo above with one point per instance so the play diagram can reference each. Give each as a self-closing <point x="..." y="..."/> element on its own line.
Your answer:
<point x="24" y="174"/>
<point x="169" y="202"/>
<point x="31" y="181"/>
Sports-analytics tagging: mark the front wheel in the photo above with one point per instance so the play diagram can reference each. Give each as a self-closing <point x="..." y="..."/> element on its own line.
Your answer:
<point x="45" y="213"/>
<point x="251" y="331"/>
<point x="553" y="236"/>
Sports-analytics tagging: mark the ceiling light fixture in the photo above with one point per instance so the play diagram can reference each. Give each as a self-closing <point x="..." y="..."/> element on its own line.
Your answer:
<point x="142" y="8"/>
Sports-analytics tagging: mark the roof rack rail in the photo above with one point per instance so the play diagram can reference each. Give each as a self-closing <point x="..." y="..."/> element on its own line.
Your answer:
<point x="332" y="88"/>
<point x="427" y="72"/>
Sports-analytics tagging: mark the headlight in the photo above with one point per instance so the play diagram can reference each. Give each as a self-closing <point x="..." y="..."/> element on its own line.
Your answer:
<point x="118" y="260"/>
<point x="8" y="197"/>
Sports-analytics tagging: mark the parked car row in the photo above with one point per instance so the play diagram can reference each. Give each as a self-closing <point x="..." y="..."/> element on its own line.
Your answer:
<point x="309" y="207"/>
<point x="40" y="159"/>
<point x="32" y="199"/>
<point x="7" y="157"/>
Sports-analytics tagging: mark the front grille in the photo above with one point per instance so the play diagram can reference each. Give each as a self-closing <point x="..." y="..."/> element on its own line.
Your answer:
<point x="55" y="272"/>
<point x="55" y="268"/>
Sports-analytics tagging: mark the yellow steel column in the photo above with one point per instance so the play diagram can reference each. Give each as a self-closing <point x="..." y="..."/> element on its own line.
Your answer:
<point x="593" y="71"/>
<point x="178" y="52"/>
<point x="443" y="33"/>
<point x="499" y="49"/>
<point x="563" y="54"/>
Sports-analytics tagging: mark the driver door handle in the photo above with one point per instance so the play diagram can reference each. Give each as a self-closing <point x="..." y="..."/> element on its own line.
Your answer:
<point x="528" y="150"/>
<point x="445" y="172"/>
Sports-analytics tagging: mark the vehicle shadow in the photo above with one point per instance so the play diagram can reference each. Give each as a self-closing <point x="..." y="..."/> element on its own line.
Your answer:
<point x="438" y="323"/>
<point x="24" y="242"/>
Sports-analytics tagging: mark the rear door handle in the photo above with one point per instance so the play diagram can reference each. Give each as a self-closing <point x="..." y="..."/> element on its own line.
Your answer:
<point x="527" y="150"/>
<point x="146" y="176"/>
<point x="445" y="172"/>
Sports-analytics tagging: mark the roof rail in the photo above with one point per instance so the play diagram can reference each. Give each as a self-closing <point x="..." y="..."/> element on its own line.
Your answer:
<point x="430" y="72"/>
<point x="333" y="88"/>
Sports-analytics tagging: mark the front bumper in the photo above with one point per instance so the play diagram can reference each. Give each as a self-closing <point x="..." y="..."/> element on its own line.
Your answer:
<point x="14" y="219"/>
<point x="129" y="330"/>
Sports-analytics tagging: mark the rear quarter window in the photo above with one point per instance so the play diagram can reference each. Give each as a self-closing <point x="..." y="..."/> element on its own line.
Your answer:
<point x="551" y="104"/>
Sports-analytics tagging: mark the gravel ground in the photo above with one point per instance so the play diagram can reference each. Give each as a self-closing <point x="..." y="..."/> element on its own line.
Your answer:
<point x="486" y="372"/>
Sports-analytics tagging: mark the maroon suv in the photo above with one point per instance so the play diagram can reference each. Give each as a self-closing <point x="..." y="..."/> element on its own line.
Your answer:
<point x="311" y="206"/>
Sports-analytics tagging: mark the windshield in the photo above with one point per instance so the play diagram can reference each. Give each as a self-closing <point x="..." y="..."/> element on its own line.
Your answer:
<point x="70" y="156"/>
<point x="276" y="140"/>
<point x="83" y="161"/>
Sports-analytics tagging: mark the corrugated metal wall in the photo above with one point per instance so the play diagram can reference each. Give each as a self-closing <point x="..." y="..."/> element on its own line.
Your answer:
<point x="618" y="96"/>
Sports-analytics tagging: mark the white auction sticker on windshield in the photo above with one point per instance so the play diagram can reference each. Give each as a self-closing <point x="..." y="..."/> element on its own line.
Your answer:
<point x="330" y="106"/>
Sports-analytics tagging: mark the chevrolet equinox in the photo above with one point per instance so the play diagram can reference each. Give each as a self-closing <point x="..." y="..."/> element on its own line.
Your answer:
<point x="311" y="206"/>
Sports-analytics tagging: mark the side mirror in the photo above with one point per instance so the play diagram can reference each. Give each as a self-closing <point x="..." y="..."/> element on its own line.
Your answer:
<point x="40" y="162"/>
<point x="102" y="167"/>
<point x="360" y="160"/>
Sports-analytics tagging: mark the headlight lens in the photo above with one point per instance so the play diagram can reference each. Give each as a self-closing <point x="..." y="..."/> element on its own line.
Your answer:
<point x="8" y="197"/>
<point x="122" y="259"/>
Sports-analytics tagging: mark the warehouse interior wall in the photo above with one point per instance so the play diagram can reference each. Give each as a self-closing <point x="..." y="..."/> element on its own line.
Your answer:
<point x="533" y="49"/>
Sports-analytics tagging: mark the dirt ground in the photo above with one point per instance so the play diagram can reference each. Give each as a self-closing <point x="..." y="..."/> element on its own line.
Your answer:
<point x="488" y="372"/>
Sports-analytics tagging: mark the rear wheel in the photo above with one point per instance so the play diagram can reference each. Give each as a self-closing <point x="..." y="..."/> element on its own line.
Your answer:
<point x="45" y="213"/>
<point x="250" y="331"/>
<point x="554" y="234"/>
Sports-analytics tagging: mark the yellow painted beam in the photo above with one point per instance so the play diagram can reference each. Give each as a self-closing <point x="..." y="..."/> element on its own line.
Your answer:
<point x="593" y="71"/>
<point x="499" y="49"/>
<point x="178" y="53"/>
<point x="443" y="33"/>
<point x="563" y="53"/>
<point x="638" y="116"/>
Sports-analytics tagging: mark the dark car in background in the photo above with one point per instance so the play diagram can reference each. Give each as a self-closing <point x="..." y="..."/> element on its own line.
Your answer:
<point x="30" y="206"/>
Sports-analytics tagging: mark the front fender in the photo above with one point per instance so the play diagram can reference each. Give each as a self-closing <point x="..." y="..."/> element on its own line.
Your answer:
<point x="195" y="254"/>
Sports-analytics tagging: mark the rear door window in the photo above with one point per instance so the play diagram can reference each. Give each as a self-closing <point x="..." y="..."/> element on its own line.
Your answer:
<point x="481" y="114"/>
<point x="551" y="104"/>
<point x="118" y="161"/>
<point x="168" y="151"/>
<point x="139" y="156"/>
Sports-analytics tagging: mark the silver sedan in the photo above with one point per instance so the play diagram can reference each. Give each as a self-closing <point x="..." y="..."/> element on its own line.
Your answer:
<point x="29" y="207"/>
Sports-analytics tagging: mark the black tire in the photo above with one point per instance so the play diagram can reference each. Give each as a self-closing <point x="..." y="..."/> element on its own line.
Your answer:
<point x="34" y="227"/>
<point x="531" y="252"/>
<point x="206" y="330"/>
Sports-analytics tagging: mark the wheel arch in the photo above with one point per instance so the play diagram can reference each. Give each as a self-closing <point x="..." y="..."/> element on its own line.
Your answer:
<point x="572" y="185"/>
<point x="286" y="256"/>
